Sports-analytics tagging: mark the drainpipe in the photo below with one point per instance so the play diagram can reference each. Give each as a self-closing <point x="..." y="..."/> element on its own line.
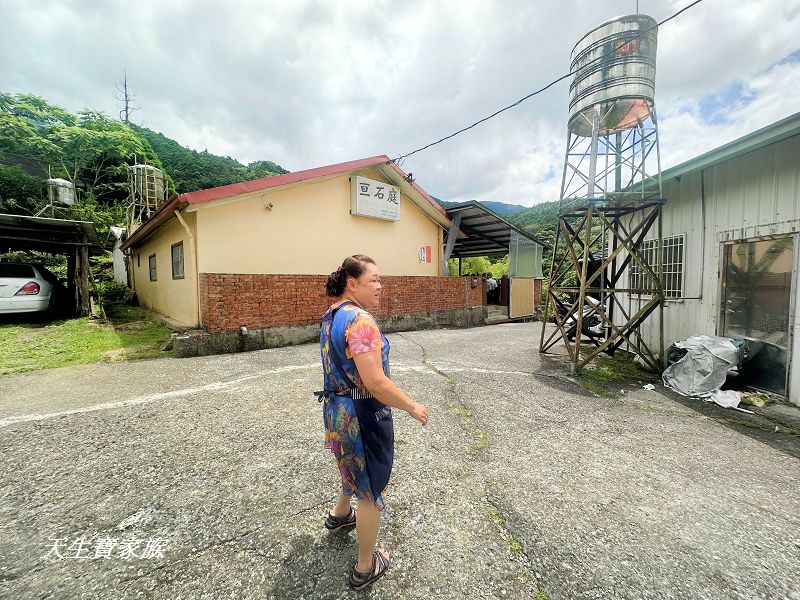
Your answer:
<point x="131" y="274"/>
<point x="193" y="254"/>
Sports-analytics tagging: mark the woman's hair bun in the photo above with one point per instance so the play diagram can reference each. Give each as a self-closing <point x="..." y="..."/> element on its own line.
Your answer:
<point x="352" y="266"/>
<point x="336" y="282"/>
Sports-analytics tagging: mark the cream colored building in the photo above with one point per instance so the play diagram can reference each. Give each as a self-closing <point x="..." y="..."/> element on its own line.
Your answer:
<point x="296" y="224"/>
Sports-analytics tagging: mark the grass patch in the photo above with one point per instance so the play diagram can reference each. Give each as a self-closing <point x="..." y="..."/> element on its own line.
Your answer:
<point x="542" y="595"/>
<point x="748" y="423"/>
<point x="653" y="407"/>
<point x="753" y="424"/>
<point x="129" y="333"/>
<point x="594" y="388"/>
<point x="460" y="411"/>
<point x="497" y="519"/>
<point x="514" y="545"/>
<point x="483" y="441"/>
<point x="619" y="369"/>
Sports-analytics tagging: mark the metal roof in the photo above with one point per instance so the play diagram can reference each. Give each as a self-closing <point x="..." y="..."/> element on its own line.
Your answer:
<point x="780" y="130"/>
<point x="382" y="163"/>
<point x="485" y="232"/>
<point x="192" y="201"/>
<point x="58" y="236"/>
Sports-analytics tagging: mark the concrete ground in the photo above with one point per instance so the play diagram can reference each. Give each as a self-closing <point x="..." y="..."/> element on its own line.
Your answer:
<point x="523" y="485"/>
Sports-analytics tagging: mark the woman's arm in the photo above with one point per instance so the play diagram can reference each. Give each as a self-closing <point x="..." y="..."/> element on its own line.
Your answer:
<point x="384" y="389"/>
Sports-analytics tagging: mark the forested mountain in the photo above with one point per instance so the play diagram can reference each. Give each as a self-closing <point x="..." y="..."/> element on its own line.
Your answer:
<point x="540" y="220"/>
<point x="501" y="208"/>
<point x="93" y="151"/>
<point x="192" y="170"/>
<point x="38" y="139"/>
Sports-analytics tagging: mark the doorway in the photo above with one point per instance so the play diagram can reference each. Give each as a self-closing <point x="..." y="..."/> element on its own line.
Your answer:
<point x="756" y="305"/>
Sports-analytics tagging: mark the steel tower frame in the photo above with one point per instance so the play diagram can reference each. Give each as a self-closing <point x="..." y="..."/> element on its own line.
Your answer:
<point x="611" y="196"/>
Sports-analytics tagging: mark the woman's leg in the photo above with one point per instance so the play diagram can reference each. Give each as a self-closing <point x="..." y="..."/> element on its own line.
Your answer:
<point x="342" y="507"/>
<point x="368" y="522"/>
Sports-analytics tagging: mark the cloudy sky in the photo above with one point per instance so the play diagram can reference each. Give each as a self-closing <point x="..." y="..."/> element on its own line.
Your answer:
<point x="307" y="83"/>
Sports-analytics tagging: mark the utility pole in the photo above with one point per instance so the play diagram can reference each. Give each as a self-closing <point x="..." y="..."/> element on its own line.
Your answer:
<point x="127" y="98"/>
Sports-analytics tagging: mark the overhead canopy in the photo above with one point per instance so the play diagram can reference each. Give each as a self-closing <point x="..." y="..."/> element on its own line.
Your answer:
<point x="56" y="236"/>
<point x="485" y="231"/>
<point x="478" y="231"/>
<point x="75" y="239"/>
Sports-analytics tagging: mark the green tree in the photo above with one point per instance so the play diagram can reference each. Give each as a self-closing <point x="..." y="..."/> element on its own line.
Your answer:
<point x="499" y="267"/>
<point x="473" y="265"/>
<point x="94" y="152"/>
<point x="478" y="265"/>
<point x="89" y="149"/>
<point x="20" y="193"/>
<point x="34" y="110"/>
<point x="194" y="170"/>
<point x="264" y="168"/>
<point x="97" y="150"/>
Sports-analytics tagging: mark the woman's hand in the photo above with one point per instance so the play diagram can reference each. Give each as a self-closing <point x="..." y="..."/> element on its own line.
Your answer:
<point x="419" y="412"/>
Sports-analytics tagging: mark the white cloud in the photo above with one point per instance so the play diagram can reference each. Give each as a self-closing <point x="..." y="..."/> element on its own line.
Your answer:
<point x="686" y="130"/>
<point x="307" y="83"/>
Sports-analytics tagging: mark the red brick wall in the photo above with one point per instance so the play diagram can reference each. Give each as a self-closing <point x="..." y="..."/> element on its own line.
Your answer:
<point x="260" y="301"/>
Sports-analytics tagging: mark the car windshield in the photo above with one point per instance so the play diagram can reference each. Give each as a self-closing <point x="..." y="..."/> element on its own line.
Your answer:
<point x="13" y="270"/>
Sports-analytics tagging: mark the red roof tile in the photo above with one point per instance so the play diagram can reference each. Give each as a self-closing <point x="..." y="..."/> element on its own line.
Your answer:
<point x="234" y="189"/>
<point x="226" y="191"/>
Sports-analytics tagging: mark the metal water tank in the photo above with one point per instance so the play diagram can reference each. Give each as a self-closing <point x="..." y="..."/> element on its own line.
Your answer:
<point x="147" y="184"/>
<point x="60" y="191"/>
<point x="614" y="72"/>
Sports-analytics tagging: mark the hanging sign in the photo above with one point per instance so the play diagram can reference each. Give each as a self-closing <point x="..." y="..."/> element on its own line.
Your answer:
<point x="376" y="199"/>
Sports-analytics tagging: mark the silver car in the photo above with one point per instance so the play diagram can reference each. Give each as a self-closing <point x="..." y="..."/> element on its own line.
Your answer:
<point x="27" y="288"/>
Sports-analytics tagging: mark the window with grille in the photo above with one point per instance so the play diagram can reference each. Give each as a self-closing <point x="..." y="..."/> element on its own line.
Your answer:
<point x="152" y="260"/>
<point x="673" y="267"/>
<point x="177" y="260"/>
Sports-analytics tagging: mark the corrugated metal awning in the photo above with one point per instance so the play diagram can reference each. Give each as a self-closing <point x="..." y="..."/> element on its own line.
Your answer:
<point x="57" y="236"/>
<point x="485" y="232"/>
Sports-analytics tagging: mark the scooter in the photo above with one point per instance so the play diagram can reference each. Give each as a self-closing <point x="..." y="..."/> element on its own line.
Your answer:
<point x="591" y="324"/>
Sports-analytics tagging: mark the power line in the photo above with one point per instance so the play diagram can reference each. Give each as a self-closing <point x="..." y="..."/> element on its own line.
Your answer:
<point x="546" y="87"/>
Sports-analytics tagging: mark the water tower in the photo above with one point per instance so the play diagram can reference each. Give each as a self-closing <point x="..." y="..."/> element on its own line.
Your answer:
<point x="147" y="193"/>
<point x="60" y="194"/>
<point x="610" y="197"/>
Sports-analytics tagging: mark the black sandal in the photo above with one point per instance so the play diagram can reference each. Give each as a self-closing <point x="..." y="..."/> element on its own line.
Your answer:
<point x="359" y="580"/>
<point x="336" y="523"/>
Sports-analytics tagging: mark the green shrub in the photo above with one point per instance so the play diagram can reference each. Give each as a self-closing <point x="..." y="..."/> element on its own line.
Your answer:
<point x="112" y="292"/>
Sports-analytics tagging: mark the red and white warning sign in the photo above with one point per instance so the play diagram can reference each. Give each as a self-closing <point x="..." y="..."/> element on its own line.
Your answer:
<point x="424" y="254"/>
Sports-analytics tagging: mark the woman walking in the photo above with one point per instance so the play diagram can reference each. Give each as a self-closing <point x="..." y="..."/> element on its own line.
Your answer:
<point x="358" y="395"/>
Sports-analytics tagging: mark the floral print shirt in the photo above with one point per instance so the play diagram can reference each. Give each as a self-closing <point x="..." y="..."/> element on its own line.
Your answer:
<point x="351" y="333"/>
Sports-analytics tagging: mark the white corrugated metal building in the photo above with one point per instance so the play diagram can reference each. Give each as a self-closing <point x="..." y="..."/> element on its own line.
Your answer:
<point x="120" y="267"/>
<point x="731" y="227"/>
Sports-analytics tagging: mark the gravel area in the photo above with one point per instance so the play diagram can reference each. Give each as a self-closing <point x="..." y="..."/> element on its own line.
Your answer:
<point x="523" y="485"/>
